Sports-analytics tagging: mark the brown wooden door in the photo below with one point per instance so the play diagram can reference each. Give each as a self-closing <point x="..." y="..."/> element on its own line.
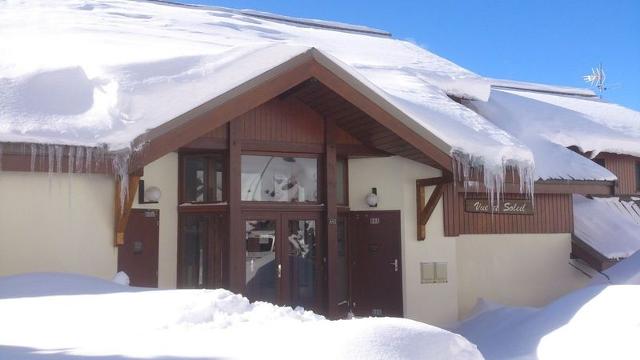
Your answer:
<point x="284" y="261"/>
<point x="138" y="257"/>
<point x="376" y="269"/>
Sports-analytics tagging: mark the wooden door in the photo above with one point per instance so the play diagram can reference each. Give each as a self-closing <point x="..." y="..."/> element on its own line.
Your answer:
<point x="138" y="257"/>
<point x="376" y="269"/>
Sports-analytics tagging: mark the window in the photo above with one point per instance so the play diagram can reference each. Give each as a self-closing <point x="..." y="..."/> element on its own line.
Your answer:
<point x="341" y="182"/>
<point x="637" y="176"/>
<point x="203" y="178"/>
<point x="279" y="178"/>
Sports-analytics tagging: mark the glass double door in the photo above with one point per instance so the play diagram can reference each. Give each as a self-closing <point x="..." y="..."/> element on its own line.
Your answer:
<point x="284" y="258"/>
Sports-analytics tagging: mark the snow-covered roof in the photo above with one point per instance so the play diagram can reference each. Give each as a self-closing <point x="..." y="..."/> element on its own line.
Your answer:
<point x="533" y="122"/>
<point x="564" y="116"/>
<point x="104" y="72"/>
<point x="505" y="84"/>
<point x="609" y="225"/>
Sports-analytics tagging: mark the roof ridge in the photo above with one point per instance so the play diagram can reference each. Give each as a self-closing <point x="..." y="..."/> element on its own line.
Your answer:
<point x="316" y="23"/>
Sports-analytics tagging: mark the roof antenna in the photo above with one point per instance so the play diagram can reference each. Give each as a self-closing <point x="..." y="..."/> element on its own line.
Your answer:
<point x="597" y="79"/>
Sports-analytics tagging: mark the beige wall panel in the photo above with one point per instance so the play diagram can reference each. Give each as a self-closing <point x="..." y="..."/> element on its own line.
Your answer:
<point x="515" y="269"/>
<point x="59" y="223"/>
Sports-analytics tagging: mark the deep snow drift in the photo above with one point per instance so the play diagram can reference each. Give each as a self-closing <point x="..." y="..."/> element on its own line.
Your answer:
<point x="601" y="321"/>
<point x="105" y="320"/>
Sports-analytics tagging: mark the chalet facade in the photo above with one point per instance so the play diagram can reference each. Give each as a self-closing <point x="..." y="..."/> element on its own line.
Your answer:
<point x="305" y="183"/>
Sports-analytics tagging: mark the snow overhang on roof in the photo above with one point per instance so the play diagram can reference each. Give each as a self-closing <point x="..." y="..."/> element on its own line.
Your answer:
<point x="105" y="72"/>
<point x="549" y="121"/>
<point x="609" y="225"/>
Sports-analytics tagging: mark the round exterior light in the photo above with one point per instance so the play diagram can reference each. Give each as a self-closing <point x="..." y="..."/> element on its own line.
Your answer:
<point x="152" y="194"/>
<point x="372" y="199"/>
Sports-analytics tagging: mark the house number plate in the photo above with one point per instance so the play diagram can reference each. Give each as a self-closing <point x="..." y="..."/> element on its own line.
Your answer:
<point x="374" y="221"/>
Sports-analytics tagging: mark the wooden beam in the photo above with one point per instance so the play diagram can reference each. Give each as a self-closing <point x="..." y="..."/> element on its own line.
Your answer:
<point x="434" y="181"/>
<point x="122" y="209"/>
<point x="236" y="261"/>
<point x="345" y="89"/>
<point x="555" y="187"/>
<point x="331" y="218"/>
<point x="424" y="213"/>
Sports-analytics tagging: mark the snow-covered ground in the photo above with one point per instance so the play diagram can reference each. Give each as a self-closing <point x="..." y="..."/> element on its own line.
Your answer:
<point x="63" y="316"/>
<point x="600" y="321"/>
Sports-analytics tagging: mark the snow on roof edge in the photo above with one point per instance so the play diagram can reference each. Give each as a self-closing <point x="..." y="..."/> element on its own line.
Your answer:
<point x="539" y="87"/>
<point x="291" y="20"/>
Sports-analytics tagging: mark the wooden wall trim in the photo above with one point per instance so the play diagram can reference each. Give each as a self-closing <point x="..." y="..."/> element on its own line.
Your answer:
<point x="553" y="213"/>
<point x="122" y="210"/>
<point x="236" y="269"/>
<point x="331" y="218"/>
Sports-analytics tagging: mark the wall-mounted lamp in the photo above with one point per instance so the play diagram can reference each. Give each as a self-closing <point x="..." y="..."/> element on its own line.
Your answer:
<point x="149" y="196"/>
<point x="372" y="198"/>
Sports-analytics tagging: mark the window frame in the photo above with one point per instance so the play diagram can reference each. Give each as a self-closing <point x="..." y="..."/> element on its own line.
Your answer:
<point x="320" y="182"/>
<point x="345" y="184"/>
<point x="182" y="183"/>
<point x="637" y="163"/>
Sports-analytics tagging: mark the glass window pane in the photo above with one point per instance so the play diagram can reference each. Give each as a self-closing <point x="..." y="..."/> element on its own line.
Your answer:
<point x="203" y="178"/>
<point x="341" y="181"/>
<point x="281" y="179"/>
<point x="194" y="262"/>
<point x="195" y="168"/>
<point x="302" y="258"/>
<point x="261" y="260"/>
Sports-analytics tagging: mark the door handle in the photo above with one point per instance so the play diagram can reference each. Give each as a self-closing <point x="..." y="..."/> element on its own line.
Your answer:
<point x="279" y="271"/>
<point x="395" y="265"/>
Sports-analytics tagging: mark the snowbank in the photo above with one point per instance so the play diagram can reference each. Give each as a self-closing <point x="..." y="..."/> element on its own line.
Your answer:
<point x="111" y="321"/>
<point x="609" y="225"/>
<point x="596" y="322"/>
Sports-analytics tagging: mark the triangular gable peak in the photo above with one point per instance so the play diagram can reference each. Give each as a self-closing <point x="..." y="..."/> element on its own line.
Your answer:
<point x="294" y="73"/>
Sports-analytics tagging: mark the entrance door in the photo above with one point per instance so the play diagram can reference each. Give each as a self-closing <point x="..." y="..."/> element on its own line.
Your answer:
<point x="376" y="271"/>
<point x="138" y="256"/>
<point x="284" y="263"/>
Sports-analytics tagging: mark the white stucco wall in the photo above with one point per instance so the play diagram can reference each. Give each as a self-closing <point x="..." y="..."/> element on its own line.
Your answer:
<point x="163" y="173"/>
<point x="395" y="180"/>
<point x="60" y="223"/>
<point x="515" y="269"/>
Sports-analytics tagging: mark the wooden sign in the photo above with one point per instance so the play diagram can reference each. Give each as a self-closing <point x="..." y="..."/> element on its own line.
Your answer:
<point x="506" y="206"/>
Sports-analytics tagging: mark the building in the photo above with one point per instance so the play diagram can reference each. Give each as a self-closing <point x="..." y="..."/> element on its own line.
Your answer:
<point x="300" y="162"/>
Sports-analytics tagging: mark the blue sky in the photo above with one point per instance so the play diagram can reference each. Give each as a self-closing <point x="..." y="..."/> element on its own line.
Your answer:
<point x="551" y="41"/>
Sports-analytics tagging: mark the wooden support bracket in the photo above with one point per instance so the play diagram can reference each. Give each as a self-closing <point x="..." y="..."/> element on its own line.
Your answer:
<point x="122" y="210"/>
<point x="423" y="211"/>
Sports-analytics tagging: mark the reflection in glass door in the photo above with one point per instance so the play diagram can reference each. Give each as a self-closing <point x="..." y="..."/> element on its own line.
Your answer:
<point x="200" y="246"/>
<point x="302" y="259"/>
<point x="283" y="261"/>
<point x="261" y="269"/>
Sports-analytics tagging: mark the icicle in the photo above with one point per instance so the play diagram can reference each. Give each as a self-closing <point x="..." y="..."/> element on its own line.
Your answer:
<point x="87" y="160"/>
<point x="79" y="158"/>
<point x="51" y="161"/>
<point x="58" y="151"/>
<point x="34" y="156"/>
<point x="120" y="164"/>
<point x="71" y="159"/>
